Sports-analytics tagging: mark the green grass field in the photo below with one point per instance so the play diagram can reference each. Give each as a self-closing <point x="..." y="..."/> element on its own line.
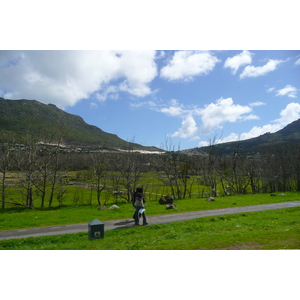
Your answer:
<point x="26" y="218"/>
<point x="278" y="229"/>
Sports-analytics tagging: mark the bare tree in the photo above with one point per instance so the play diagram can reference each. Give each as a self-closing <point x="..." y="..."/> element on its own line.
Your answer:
<point x="277" y="164"/>
<point x="253" y="171"/>
<point x="5" y="153"/>
<point x="58" y="161"/>
<point x="26" y="163"/>
<point x="97" y="161"/>
<point x="129" y="165"/>
<point x="210" y="176"/>
<point x="295" y="156"/>
<point x="173" y="170"/>
<point x="236" y="175"/>
<point x="42" y="172"/>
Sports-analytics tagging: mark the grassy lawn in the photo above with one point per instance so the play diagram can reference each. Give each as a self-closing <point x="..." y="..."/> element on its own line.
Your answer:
<point x="26" y="218"/>
<point x="276" y="229"/>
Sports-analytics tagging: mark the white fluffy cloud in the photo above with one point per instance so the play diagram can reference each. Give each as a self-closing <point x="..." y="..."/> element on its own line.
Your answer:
<point x="288" y="115"/>
<point x="223" y="110"/>
<point x="212" y="116"/>
<point x="65" y="77"/>
<point x="289" y="91"/>
<point x="109" y="92"/>
<point x="174" y="110"/>
<point x="251" y="71"/>
<point x="188" y="129"/>
<point x="244" y="58"/>
<point x="186" y="64"/>
<point x="139" y="69"/>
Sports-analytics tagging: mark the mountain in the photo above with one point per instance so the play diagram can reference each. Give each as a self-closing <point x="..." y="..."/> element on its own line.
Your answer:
<point x="21" y="118"/>
<point x="290" y="133"/>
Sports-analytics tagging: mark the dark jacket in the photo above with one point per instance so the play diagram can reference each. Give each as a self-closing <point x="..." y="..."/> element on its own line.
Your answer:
<point x="139" y="202"/>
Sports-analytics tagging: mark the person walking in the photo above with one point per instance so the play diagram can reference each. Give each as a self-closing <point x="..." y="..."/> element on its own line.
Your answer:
<point x="138" y="190"/>
<point x="139" y="207"/>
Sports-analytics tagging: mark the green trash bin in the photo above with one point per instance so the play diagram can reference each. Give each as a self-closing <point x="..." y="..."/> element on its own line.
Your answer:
<point x="96" y="229"/>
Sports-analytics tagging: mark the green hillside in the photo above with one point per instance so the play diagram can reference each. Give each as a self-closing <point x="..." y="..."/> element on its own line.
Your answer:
<point x="20" y="118"/>
<point x="290" y="133"/>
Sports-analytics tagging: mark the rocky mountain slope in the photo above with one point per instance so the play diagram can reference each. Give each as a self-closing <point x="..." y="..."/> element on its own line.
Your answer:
<point x="290" y="133"/>
<point x="45" y="123"/>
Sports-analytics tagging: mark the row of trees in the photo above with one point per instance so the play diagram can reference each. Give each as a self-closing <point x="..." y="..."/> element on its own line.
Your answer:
<point x="43" y="170"/>
<point x="275" y="168"/>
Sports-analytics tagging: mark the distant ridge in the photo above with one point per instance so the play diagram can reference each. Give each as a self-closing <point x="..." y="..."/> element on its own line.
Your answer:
<point x="19" y="118"/>
<point x="290" y="133"/>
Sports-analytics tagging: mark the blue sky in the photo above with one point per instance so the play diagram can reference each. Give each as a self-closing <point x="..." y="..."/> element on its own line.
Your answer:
<point x="185" y="97"/>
